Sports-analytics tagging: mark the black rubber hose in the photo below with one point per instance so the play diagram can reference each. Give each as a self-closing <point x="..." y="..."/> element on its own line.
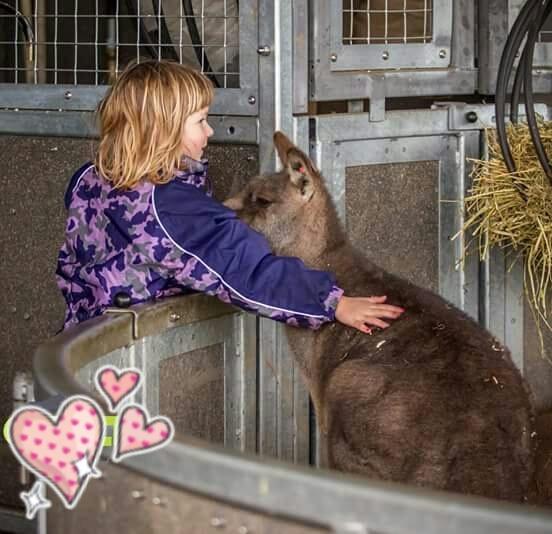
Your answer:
<point x="22" y="21"/>
<point x="513" y="42"/>
<point x="199" y="51"/>
<point x="518" y="81"/>
<point x="532" y="35"/>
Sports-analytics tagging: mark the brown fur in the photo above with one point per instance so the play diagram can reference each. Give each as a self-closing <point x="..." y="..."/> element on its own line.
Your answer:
<point x="434" y="400"/>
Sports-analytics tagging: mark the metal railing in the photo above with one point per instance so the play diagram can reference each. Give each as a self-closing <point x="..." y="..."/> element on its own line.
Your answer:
<point x="302" y="495"/>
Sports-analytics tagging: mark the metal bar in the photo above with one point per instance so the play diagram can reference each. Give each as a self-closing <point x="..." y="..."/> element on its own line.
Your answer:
<point x="96" y="40"/>
<point x="86" y="98"/>
<point x="15" y="43"/>
<point x="451" y="187"/>
<point x="233" y="386"/>
<point x="266" y="89"/>
<point x="40" y="41"/>
<point x="227" y="129"/>
<point x="250" y="24"/>
<point x="300" y="59"/>
<point x="225" y="44"/>
<point x="377" y="99"/>
<point x="399" y="83"/>
<point x="485" y="114"/>
<point x="56" y="24"/>
<point x="283" y="408"/>
<point x="470" y="260"/>
<point x="246" y="328"/>
<point x="321" y="498"/>
<point x="116" y="44"/>
<point x="76" y="44"/>
<point x="346" y="127"/>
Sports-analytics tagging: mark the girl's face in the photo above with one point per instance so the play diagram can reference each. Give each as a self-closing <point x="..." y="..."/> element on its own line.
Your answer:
<point x="196" y="133"/>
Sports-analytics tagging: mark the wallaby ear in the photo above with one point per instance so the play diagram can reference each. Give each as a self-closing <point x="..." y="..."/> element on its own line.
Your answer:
<point x="300" y="172"/>
<point x="283" y="146"/>
<point x="299" y="167"/>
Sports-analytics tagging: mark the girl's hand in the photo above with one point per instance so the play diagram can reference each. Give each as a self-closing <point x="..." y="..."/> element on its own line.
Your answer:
<point x="359" y="312"/>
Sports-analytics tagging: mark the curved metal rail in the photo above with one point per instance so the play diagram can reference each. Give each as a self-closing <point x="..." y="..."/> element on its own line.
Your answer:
<point x="310" y="500"/>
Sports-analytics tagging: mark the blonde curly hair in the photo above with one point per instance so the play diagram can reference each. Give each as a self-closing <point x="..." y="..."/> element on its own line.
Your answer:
<point x="141" y="120"/>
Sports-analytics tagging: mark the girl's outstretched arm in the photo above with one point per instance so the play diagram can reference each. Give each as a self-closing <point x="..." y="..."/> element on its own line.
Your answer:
<point x="216" y="253"/>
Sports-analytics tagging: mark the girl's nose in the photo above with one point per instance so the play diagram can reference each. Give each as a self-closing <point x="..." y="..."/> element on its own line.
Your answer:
<point x="210" y="130"/>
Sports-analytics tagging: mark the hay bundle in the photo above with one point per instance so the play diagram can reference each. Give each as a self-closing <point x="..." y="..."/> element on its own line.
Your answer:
<point x="514" y="211"/>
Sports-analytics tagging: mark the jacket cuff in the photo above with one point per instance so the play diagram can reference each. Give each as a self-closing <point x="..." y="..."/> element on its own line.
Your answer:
<point x="330" y="303"/>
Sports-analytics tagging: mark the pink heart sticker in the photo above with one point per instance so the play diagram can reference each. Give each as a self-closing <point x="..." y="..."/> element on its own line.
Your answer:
<point x="136" y="433"/>
<point x="58" y="450"/>
<point x="116" y="384"/>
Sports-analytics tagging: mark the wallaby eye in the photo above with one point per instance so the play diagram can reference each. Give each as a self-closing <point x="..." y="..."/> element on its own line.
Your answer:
<point x="263" y="202"/>
<point x="260" y="201"/>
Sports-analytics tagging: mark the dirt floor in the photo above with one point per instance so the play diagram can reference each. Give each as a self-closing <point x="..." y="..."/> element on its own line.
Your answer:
<point x="541" y="493"/>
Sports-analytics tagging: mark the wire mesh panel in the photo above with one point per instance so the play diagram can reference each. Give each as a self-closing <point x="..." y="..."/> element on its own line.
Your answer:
<point x="388" y="48"/>
<point x="390" y="34"/>
<point x="88" y="42"/>
<point x="387" y="21"/>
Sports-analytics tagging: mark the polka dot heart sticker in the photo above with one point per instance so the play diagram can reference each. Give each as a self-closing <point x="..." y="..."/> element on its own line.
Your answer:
<point x="116" y="384"/>
<point x="137" y="433"/>
<point x="63" y="449"/>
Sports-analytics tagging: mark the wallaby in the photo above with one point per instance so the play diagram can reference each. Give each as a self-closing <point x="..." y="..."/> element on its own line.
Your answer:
<point x="433" y="400"/>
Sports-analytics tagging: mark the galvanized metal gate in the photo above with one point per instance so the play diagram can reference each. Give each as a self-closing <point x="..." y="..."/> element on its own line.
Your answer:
<point x="282" y="65"/>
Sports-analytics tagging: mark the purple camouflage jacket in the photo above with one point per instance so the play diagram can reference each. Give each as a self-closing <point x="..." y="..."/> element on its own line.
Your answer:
<point x="154" y="241"/>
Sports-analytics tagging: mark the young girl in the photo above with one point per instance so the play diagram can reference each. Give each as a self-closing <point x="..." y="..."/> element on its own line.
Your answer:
<point x="141" y="219"/>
